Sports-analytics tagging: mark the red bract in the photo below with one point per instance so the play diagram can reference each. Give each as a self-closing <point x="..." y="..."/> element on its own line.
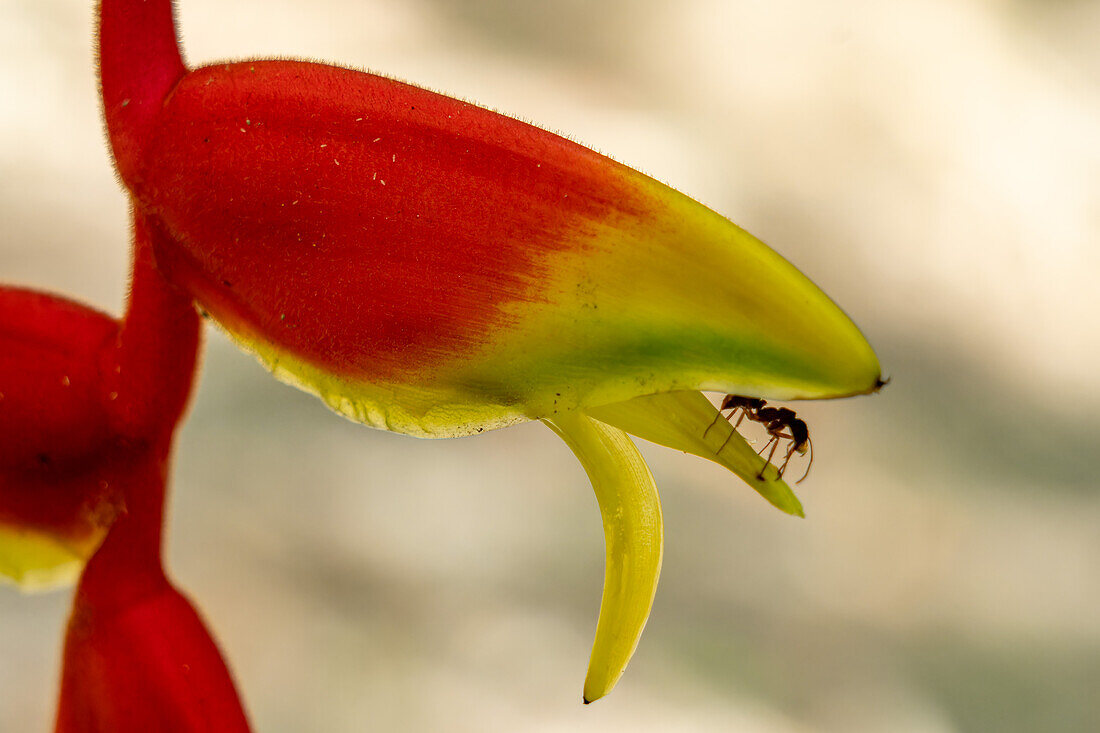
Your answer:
<point x="379" y="199"/>
<point x="57" y="497"/>
<point x="53" y="411"/>
<point x="152" y="667"/>
<point x="86" y="426"/>
<point x="137" y="655"/>
<point x="368" y="227"/>
<point x="434" y="268"/>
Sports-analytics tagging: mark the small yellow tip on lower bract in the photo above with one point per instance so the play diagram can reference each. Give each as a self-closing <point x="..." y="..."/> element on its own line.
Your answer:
<point x="35" y="561"/>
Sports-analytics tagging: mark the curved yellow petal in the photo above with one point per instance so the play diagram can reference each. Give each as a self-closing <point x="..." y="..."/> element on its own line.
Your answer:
<point x="687" y="421"/>
<point x="632" y="527"/>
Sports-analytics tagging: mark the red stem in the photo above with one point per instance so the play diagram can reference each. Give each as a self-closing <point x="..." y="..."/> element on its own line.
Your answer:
<point x="139" y="64"/>
<point x="137" y="655"/>
<point x="149" y="374"/>
<point x="127" y="567"/>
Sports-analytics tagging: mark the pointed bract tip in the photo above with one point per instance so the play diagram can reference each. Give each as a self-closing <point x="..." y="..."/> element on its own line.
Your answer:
<point x="586" y="700"/>
<point x="880" y="382"/>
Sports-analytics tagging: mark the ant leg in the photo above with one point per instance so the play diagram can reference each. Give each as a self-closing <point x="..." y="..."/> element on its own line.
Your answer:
<point x="743" y="413"/>
<point x="811" y="460"/>
<point x="761" y="451"/>
<point x="726" y="441"/>
<point x="790" y="452"/>
<point x="774" y="443"/>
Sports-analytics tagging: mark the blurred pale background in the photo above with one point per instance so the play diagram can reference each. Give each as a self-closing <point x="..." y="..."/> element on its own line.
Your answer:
<point x="933" y="164"/>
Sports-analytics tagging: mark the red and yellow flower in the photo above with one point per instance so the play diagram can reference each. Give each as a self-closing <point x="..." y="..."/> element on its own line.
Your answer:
<point x="436" y="269"/>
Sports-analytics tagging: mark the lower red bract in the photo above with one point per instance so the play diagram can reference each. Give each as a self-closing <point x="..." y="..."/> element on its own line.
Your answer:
<point x="51" y="410"/>
<point x="367" y="226"/>
<point x="137" y="655"/>
<point x="53" y="416"/>
<point x="147" y="666"/>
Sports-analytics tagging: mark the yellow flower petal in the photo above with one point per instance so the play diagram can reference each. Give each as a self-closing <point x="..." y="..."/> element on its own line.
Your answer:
<point x="632" y="528"/>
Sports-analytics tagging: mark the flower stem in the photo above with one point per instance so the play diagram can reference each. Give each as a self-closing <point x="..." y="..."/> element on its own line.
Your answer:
<point x="139" y="63"/>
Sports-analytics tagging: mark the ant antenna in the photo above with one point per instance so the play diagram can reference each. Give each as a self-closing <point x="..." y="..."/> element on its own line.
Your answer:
<point x="811" y="460"/>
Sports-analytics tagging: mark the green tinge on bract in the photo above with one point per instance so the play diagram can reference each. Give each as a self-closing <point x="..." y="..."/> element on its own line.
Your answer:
<point x="37" y="561"/>
<point x="685" y="301"/>
<point x="687" y="421"/>
<point x="633" y="538"/>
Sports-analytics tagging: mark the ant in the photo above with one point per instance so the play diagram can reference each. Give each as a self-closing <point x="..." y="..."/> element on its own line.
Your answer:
<point x="774" y="420"/>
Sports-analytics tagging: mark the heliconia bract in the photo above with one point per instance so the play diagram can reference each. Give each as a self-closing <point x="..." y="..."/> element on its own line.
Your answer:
<point x="88" y="408"/>
<point x="433" y="268"/>
<point x="56" y="497"/>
